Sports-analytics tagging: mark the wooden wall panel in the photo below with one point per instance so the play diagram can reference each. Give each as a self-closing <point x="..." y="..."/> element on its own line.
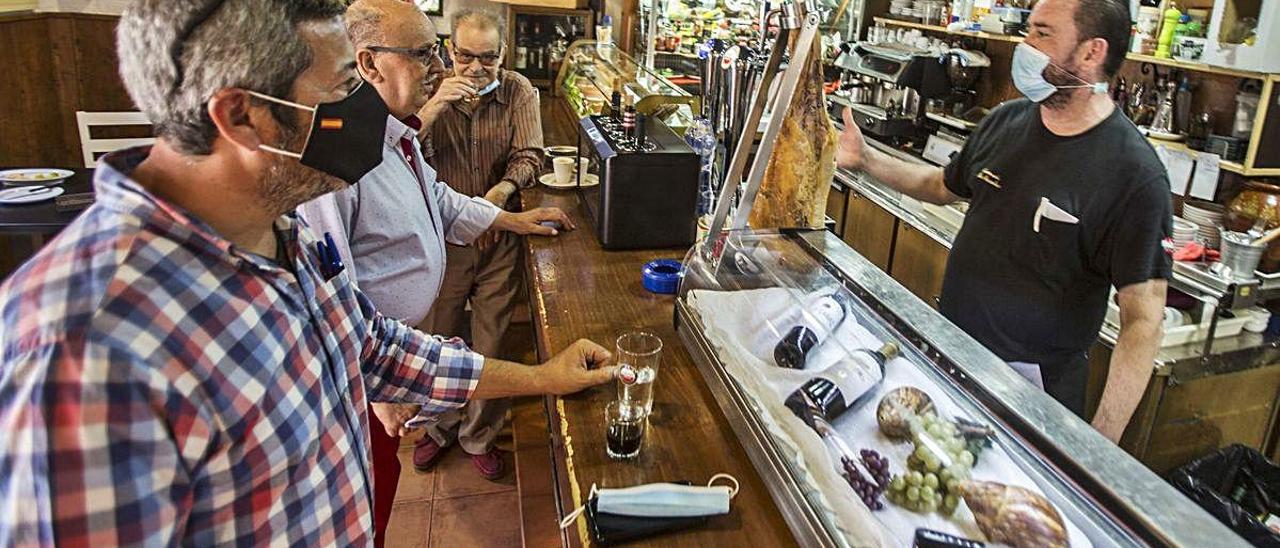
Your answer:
<point x="31" y="127"/>
<point x="58" y="63"/>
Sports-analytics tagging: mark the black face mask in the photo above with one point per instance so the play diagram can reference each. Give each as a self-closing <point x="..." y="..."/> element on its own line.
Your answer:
<point x="346" y="136"/>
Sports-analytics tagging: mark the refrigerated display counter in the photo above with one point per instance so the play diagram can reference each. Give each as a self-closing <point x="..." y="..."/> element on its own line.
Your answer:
<point x="859" y="444"/>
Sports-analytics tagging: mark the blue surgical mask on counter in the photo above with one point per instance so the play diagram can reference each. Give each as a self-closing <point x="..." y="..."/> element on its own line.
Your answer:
<point x="662" y="500"/>
<point x="1028" y="74"/>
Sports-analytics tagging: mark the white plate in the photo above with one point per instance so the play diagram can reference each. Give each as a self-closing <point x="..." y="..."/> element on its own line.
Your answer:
<point x="28" y="177"/>
<point x="588" y="180"/>
<point x="29" y="195"/>
<point x="562" y="150"/>
<point x="1164" y="136"/>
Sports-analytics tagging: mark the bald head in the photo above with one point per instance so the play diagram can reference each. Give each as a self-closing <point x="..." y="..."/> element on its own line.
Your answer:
<point x="394" y="44"/>
<point x="387" y="23"/>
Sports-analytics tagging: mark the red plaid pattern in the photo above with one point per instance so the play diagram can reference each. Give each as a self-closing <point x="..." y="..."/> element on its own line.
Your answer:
<point x="159" y="386"/>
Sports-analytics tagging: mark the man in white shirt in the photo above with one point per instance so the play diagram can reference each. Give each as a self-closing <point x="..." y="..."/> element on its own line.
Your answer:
<point x="391" y="229"/>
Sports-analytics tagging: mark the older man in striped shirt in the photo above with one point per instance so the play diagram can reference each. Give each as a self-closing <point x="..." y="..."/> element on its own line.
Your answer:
<point x="490" y="146"/>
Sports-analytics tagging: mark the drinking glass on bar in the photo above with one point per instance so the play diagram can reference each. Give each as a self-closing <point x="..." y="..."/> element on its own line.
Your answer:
<point x="624" y="426"/>
<point x="638" y="354"/>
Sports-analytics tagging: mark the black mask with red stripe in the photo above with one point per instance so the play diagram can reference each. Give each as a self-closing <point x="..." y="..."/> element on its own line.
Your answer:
<point x="345" y="139"/>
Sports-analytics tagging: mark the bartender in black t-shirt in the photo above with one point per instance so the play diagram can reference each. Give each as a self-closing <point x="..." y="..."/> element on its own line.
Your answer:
<point x="1068" y="200"/>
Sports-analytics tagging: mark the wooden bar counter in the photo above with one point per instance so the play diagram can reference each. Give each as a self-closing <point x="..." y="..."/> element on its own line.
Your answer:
<point x="578" y="290"/>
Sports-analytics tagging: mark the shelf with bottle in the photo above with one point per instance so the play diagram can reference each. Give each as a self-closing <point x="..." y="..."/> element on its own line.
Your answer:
<point x="683" y="26"/>
<point x="1135" y="57"/>
<point x="942" y="29"/>
<point x="540" y="39"/>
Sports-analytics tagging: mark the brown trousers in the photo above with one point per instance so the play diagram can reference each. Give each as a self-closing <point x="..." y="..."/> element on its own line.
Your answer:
<point x="490" y="280"/>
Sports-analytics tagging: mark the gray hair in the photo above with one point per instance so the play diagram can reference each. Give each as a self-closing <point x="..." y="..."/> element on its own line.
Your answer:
<point x="479" y="18"/>
<point x="249" y="44"/>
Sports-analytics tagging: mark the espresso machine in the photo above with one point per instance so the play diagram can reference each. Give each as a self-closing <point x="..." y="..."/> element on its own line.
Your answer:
<point x="895" y="81"/>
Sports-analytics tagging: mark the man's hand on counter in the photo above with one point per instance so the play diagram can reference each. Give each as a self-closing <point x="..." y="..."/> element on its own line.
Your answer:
<point x="583" y="365"/>
<point x="540" y="221"/>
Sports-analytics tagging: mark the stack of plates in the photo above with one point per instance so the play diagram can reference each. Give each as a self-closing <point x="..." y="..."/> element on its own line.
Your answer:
<point x="1208" y="217"/>
<point x="1184" y="232"/>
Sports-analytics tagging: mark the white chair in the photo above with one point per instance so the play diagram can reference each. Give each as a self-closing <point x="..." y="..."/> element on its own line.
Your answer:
<point x="92" y="147"/>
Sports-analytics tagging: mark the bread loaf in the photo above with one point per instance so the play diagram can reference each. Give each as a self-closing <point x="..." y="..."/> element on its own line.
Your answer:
<point x="1013" y="515"/>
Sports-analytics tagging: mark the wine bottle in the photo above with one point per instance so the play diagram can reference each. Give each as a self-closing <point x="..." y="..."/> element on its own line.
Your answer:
<point x="825" y="314"/>
<point x="848" y="384"/>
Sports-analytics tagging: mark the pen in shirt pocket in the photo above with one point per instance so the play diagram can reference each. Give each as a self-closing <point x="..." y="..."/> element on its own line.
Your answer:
<point x="330" y="260"/>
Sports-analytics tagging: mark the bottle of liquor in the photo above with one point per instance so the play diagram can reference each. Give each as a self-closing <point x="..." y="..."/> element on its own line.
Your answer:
<point x="848" y="384"/>
<point x="628" y="119"/>
<point x="521" y="60"/>
<point x="536" y="48"/>
<point x="825" y="312"/>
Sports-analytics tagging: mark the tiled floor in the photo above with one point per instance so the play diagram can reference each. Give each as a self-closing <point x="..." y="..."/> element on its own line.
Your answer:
<point x="452" y="505"/>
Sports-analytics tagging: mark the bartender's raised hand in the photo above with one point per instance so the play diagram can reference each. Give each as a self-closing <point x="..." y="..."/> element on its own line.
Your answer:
<point x="394" y="415"/>
<point x="583" y="365"/>
<point x="448" y="91"/>
<point x="539" y="222"/>
<point x="849" y="149"/>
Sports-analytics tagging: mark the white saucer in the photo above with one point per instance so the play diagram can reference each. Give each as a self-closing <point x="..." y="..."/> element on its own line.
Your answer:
<point x="562" y="150"/>
<point x="29" y="195"/>
<point x="588" y="180"/>
<point x="30" y="177"/>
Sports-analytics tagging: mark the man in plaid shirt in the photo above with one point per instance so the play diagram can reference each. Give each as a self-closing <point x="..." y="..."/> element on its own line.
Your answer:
<point x="179" y="366"/>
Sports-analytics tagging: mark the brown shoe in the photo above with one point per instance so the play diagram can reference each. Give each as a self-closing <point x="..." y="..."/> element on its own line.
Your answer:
<point x="426" y="453"/>
<point x="490" y="464"/>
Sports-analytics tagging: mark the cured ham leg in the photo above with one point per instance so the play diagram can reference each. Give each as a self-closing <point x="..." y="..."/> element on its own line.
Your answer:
<point x="798" y="177"/>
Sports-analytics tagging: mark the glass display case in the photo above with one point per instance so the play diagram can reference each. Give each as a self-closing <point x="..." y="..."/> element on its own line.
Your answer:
<point x="593" y="70"/>
<point x="870" y="416"/>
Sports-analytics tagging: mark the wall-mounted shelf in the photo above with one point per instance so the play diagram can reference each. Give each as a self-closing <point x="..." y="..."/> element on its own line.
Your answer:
<point x="937" y="28"/>
<point x="1197" y="67"/>
<point x="1224" y="165"/>
<point x="1135" y="57"/>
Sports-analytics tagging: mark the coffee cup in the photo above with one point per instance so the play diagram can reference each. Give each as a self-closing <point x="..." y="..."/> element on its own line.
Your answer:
<point x="563" y="167"/>
<point x="583" y="164"/>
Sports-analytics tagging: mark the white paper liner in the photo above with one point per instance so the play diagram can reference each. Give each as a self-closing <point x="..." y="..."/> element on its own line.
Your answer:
<point x="742" y="326"/>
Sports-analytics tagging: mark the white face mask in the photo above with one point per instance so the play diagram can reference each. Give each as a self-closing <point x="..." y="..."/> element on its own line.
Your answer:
<point x="662" y="500"/>
<point x="1028" y="74"/>
<point x="488" y="89"/>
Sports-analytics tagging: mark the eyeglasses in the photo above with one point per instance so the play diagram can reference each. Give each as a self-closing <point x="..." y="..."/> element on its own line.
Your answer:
<point x="425" y="55"/>
<point x="487" y="59"/>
